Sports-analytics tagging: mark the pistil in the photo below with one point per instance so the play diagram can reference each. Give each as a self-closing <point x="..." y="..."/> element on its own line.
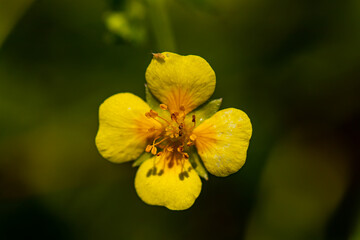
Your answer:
<point x="174" y="139"/>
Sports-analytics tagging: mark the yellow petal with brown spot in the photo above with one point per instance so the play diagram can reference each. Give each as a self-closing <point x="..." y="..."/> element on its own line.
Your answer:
<point x="178" y="81"/>
<point x="168" y="181"/>
<point x="123" y="128"/>
<point x="222" y="141"/>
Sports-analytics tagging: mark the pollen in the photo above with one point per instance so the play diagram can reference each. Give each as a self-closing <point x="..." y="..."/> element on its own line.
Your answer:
<point x="154" y="150"/>
<point x="148" y="148"/>
<point x="163" y="106"/>
<point x="173" y="139"/>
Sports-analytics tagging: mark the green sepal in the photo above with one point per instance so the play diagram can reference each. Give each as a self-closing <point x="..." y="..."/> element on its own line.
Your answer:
<point x="145" y="156"/>
<point x="151" y="100"/>
<point x="206" y="110"/>
<point x="195" y="161"/>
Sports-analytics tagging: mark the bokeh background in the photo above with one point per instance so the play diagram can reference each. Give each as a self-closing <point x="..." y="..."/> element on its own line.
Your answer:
<point x="292" y="65"/>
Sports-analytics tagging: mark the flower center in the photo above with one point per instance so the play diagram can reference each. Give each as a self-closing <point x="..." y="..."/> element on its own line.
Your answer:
<point x="175" y="135"/>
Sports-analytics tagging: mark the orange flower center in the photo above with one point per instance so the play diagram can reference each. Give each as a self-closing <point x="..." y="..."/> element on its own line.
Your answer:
<point x="175" y="136"/>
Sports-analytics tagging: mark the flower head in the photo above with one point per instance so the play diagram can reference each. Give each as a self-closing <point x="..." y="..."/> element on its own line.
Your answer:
<point x="165" y="132"/>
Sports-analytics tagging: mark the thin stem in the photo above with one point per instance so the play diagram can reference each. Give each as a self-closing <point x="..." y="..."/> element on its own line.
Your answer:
<point x="161" y="25"/>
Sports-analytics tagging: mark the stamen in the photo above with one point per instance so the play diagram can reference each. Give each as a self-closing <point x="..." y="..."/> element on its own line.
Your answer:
<point x="155" y="140"/>
<point x="148" y="148"/>
<point x="164" y="119"/>
<point x="193" y="137"/>
<point x="183" y="113"/>
<point x="194" y="121"/>
<point x="174" y="137"/>
<point x="163" y="106"/>
<point x="153" y="114"/>
<point x="173" y="117"/>
<point x="154" y="150"/>
<point x="162" y="140"/>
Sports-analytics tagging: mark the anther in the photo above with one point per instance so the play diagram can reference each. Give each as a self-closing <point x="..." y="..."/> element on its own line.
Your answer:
<point x="180" y="149"/>
<point x="170" y="149"/>
<point x="147" y="114"/>
<point x="148" y="148"/>
<point x="182" y="108"/>
<point x="163" y="106"/>
<point x="159" y="153"/>
<point x="154" y="150"/>
<point x="153" y="114"/>
<point x="186" y="155"/>
<point x="192" y="137"/>
<point x="193" y="118"/>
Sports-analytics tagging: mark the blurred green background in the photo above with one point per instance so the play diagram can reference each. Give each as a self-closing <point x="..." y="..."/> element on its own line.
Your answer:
<point x="292" y="65"/>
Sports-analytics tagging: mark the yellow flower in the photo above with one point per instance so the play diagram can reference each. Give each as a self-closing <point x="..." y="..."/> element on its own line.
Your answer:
<point x="170" y="133"/>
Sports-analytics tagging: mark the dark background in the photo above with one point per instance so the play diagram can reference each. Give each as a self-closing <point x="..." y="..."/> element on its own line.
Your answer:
<point x="292" y="65"/>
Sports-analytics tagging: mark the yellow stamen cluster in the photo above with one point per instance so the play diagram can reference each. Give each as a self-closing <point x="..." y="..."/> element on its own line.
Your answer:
<point x="175" y="135"/>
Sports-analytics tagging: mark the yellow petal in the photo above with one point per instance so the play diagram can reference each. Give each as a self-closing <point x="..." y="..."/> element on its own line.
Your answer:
<point x="177" y="80"/>
<point x="123" y="128"/>
<point x="175" y="186"/>
<point x="222" y="141"/>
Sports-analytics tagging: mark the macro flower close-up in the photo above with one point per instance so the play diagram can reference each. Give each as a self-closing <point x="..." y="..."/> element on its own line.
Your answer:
<point x="180" y="119"/>
<point x="177" y="136"/>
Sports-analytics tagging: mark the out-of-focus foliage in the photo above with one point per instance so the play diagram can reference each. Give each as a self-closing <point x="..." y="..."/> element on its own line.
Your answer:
<point x="10" y="13"/>
<point x="129" y="24"/>
<point x="292" y="66"/>
<point x="301" y="185"/>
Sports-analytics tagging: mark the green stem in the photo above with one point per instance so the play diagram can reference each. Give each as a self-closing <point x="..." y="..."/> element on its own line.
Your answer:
<point x="161" y="25"/>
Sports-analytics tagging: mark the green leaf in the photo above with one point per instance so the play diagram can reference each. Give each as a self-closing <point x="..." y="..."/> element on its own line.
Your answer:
<point x="207" y="110"/>
<point x="195" y="161"/>
<point x="151" y="100"/>
<point x="145" y="156"/>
